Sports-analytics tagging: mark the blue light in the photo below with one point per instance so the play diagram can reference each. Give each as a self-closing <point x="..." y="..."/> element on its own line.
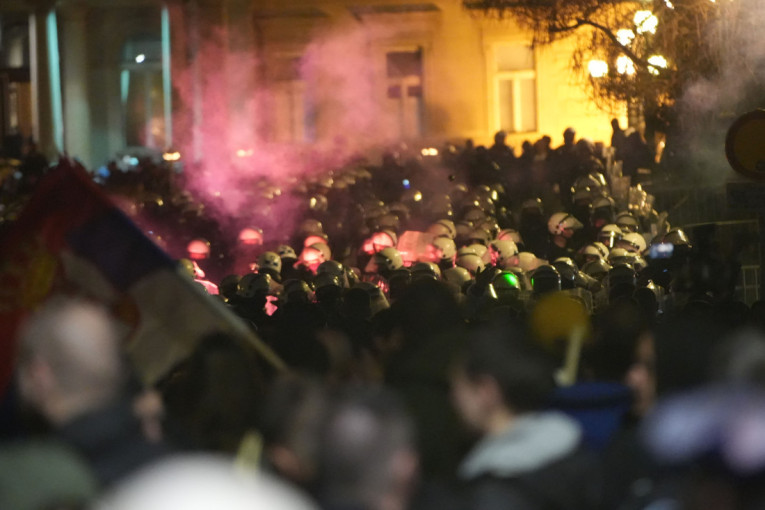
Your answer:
<point x="55" y="80"/>
<point x="166" y="77"/>
<point x="406" y="184"/>
<point x="124" y="85"/>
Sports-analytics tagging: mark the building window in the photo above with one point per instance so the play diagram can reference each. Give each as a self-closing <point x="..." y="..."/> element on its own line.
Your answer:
<point x="142" y="94"/>
<point x="515" y="83"/>
<point x="292" y="114"/>
<point x="405" y="102"/>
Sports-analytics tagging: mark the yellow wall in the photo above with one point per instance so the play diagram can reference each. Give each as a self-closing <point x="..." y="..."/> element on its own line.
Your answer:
<point x="457" y="47"/>
<point x="562" y="100"/>
<point x="458" y="76"/>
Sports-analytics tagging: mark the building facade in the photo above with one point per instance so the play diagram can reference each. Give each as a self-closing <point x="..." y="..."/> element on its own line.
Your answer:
<point x="96" y="78"/>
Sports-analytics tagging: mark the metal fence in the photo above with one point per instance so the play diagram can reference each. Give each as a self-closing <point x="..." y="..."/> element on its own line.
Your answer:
<point x="688" y="205"/>
<point x="693" y="207"/>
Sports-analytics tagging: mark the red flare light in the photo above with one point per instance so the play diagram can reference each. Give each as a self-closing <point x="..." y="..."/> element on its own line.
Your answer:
<point x="377" y="242"/>
<point x="198" y="249"/>
<point x="251" y="237"/>
<point x="311" y="258"/>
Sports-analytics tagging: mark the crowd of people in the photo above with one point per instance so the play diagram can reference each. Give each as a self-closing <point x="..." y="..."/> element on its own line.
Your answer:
<point x="474" y="330"/>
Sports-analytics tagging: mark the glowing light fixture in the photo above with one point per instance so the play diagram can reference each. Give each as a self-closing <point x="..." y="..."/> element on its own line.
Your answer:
<point x="171" y="156"/>
<point x="625" y="36"/>
<point x="417" y="197"/>
<point x="244" y="153"/>
<point x="670" y="5"/>
<point x="625" y="65"/>
<point x="140" y="58"/>
<point x="598" y="68"/>
<point x="656" y="61"/>
<point x="429" y="151"/>
<point x="645" y="21"/>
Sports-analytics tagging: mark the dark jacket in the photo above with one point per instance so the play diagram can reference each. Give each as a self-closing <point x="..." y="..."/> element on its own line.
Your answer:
<point x="536" y="464"/>
<point x="111" y="440"/>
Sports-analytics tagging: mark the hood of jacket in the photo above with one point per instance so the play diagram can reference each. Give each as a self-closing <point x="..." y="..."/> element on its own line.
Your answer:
<point x="532" y="441"/>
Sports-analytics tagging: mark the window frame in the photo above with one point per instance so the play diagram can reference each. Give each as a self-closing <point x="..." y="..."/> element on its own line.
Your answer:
<point x="516" y="76"/>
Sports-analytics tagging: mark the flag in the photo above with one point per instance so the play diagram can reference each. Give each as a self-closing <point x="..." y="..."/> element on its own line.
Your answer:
<point x="71" y="239"/>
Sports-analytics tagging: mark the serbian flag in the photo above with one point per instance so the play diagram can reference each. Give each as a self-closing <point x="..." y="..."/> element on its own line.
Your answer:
<point x="71" y="239"/>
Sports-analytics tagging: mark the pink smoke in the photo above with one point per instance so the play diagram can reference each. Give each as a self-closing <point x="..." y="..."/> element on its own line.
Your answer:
<point x="226" y="108"/>
<point x="733" y="40"/>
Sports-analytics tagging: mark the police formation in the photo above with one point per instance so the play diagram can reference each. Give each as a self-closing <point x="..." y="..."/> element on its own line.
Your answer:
<point x="497" y="229"/>
<point x="464" y="328"/>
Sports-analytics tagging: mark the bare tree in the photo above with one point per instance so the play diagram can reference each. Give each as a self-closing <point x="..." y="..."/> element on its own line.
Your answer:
<point x="645" y="52"/>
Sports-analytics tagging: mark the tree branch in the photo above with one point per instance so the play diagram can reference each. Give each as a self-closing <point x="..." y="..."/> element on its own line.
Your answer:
<point x="608" y="33"/>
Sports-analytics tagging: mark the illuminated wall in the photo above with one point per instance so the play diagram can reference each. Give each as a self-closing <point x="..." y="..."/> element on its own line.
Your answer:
<point x="470" y="83"/>
<point x="428" y="70"/>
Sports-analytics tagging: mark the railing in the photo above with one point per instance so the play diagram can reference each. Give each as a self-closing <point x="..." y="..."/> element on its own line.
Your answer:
<point x="690" y="207"/>
<point x="695" y="204"/>
<point x="748" y="287"/>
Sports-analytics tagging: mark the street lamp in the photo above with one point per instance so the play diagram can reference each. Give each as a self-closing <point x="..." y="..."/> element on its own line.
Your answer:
<point x="645" y="21"/>
<point x="598" y="68"/>
<point x="625" y="65"/>
<point x="625" y="36"/>
<point x="656" y="61"/>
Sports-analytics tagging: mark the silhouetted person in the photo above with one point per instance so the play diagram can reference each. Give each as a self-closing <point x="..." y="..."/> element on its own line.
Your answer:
<point x="71" y="369"/>
<point x="565" y="161"/>
<point x="527" y="457"/>
<point x="618" y="139"/>
<point x="637" y="155"/>
<point x="501" y="153"/>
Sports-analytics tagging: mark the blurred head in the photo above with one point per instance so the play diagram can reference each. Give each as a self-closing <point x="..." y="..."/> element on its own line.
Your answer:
<point x="293" y="411"/>
<point x="212" y="396"/>
<point x="195" y="482"/>
<point x="367" y="457"/>
<point x="70" y="359"/>
<point x="499" y="372"/>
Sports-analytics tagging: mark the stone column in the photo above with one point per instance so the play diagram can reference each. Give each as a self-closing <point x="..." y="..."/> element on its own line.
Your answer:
<point x="44" y="131"/>
<point x="180" y="62"/>
<point x="77" y="123"/>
